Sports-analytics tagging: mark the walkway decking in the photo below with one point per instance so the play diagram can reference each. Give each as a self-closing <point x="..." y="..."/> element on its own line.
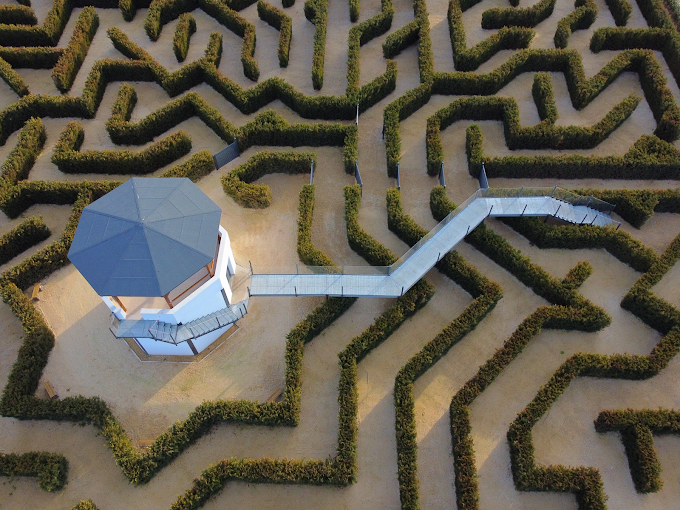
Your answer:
<point x="394" y="280"/>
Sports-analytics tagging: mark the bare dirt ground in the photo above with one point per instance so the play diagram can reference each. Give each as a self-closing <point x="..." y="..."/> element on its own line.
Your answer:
<point x="149" y="397"/>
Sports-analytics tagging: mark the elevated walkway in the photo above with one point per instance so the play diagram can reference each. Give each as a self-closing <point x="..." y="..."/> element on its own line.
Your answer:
<point x="393" y="281"/>
<point x="388" y="281"/>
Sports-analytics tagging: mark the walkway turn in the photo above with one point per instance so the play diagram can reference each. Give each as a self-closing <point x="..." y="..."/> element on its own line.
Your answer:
<point x="395" y="280"/>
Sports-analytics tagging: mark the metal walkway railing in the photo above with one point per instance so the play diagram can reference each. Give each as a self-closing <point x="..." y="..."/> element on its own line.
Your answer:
<point x="394" y="280"/>
<point x="177" y="333"/>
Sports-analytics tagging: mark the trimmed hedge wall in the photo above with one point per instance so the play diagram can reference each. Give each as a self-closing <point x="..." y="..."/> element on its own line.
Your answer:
<point x="307" y="252"/>
<point x="400" y="39"/>
<point x="85" y="505"/>
<point x="50" y="468"/>
<point x="584" y="482"/>
<point x="281" y="22"/>
<point x="580" y="18"/>
<point x="186" y="27"/>
<point x="621" y="11"/>
<point x="513" y="17"/>
<point x="237" y="183"/>
<point x="163" y="11"/>
<point x="316" y="11"/>
<point x="365" y="245"/>
<point x="197" y="166"/>
<point x="69" y="159"/>
<point x="22" y="157"/>
<point x="572" y="237"/>
<point x="636" y="428"/>
<point x="17" y="15"/>
<point x="28" y="233"/>
<point x="541" y="136"/>
<point x="143" y="68"/>
<point x="544" y="97"/>
<point x="507" y="38"/>
<point x="31" y="58"/>
<point x="68" y="65"/>
<point x="13" y="79"/>
<point x="361" y="34"/>
<point x="122" y="131"/>
<point x="581" y="89"/>
<point x="649" y="158"/>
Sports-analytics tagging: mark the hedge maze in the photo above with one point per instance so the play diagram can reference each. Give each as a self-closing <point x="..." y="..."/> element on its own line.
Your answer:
<point x="283" y="104"/>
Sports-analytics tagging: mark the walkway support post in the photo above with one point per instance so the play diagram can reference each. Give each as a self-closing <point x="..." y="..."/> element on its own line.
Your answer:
<point x="357" y="121"/>
<point x="442" y="182"/>
<point x="483" y="181"/>
<point x="311" y="173"/>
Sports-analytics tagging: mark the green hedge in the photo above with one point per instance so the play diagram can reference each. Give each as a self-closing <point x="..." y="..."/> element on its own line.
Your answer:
<point x="425" y="55"/>
<point x="68" y="65"/>
<point x="122" y="131"/>
<point x="47" y="34"/>
<point x="641" y="301"/>
<point x="541" y="136"/>
<point x="649" y="158"/>
<point x="365" y="245"/>
<point x="237" y="183"/>
<point x="361" y="34"/>
<point x="32" y="58"/>
<point x="512" y="17"/>
<point x="17" y="15"/>
<point x="197" y="166"/>
<point x="281" y="22"/>
<point x="85" y="505"/>
<point x="634" y="206"/>
<point x="636" y="428"/>
<point x="581" y="89"/>
<point x="22" y="157"/>
<point x="307" y="252"/>
<point x="400" y="39"/>
<point x="316" y="11"/>
<point x="69" y="159"/>
<point x="186" y="27"/>
<point x="621" y="11"/>
<point x="13" y="79"/>
<point x="507" y="38"/>
<point x="28" y="233"/>
<point x="143" y="68"/>
<point x="572" y="237"/>
<point x="268" y="128"/>
<point x="50" y="468"/>
<point x="164" y="11"/>
<point x="544" y="97"/>
<point x="579" y="19"/>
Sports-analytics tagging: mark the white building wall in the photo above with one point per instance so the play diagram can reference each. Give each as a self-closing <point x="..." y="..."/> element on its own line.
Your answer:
<point x="156" y="347"/>
<point x="204" y="341"/>
<point x="208" y="298"/>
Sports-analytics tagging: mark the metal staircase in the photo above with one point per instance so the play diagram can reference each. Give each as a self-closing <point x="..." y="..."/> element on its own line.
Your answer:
<point x="177" y="333"/>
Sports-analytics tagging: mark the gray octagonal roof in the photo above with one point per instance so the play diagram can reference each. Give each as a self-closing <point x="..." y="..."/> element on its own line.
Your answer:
<point x="145" y="237"/>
